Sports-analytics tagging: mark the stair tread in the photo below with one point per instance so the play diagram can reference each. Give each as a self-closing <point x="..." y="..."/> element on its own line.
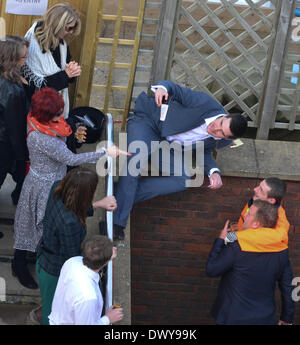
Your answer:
<point x="15" y="314"/>
<point x="7" y="208"/>
<point x="11" y="285"/>
<point x="7" y="241"/>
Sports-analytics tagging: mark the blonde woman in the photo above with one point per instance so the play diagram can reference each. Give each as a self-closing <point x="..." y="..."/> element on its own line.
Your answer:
<point x="49" y="60"/>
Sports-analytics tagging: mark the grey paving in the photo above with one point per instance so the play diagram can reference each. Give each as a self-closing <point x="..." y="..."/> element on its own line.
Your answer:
<point x="7" y="208"/>
<point x="15" y="314"/>
<point x="261" y="159"/>
<point x="17" y="301"/>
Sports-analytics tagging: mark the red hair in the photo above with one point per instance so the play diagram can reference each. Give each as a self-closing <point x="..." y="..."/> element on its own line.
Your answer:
<point x="46" y="104"/>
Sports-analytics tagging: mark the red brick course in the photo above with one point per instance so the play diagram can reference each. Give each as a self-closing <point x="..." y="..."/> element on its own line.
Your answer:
<point x="171" y="237"/>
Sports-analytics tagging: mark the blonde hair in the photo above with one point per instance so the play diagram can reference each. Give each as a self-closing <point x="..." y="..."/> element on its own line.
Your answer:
<point x="53" y="23"/>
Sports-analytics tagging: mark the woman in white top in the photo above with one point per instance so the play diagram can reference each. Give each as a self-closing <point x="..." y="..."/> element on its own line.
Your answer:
<point x="49" y="60"/>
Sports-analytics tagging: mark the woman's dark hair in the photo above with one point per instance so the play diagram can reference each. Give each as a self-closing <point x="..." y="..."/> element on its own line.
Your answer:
<point x="96" y="250"/>
<point x="10" y="56"/>
<point x="76" y="190"/>
<point x="46" y="104"/>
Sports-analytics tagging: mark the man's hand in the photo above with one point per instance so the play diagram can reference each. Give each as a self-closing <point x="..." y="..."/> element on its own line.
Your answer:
<point x="159" y="94"/>
<point x="114" y="315"/>
<point x="225" y="230"/>
<point x="109" y="203"/>
<point x="215" y="181"/>
<point x="280" y="323"/>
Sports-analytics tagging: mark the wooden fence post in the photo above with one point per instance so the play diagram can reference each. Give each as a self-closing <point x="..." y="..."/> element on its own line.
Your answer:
<point x="134" y="58"/>
<point x="2" y="28"/>
<point x="89" y="49"/>
<point x="282" y="37"/>
<point x="165" y="40"/>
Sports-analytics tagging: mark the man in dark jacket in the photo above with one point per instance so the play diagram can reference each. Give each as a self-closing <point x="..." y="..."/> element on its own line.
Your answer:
<point x="188" y="118"/>
<point x="248" y="279"/>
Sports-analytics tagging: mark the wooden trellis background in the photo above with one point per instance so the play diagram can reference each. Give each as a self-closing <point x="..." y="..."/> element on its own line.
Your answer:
<point x="115" y="71"/>
<point x="229" y="61"/>
<point x="240" y="53"/>
<point x="121" y="56"/>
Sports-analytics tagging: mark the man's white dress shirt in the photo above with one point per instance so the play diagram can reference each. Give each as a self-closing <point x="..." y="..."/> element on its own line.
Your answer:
<point x="77" y="299"/>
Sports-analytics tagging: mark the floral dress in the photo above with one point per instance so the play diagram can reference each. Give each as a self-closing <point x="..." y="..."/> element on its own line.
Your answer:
<point x="49" y="157"/>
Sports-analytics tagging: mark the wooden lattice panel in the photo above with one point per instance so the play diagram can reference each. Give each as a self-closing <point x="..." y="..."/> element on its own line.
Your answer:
<point x="222" y="49"/>
<point x="288" y="108"/>
<point x="116" y="57"/>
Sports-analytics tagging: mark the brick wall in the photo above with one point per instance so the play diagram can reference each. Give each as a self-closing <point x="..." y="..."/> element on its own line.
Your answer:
<point x="171" y="237"/>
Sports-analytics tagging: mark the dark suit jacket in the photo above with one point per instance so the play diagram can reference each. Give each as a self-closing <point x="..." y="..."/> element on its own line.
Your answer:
<point x="188" y="109"/>
<point x="248" y="283"/>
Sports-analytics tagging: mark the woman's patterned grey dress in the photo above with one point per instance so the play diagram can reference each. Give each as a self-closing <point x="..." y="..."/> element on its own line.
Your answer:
<point x="49" y="157"/>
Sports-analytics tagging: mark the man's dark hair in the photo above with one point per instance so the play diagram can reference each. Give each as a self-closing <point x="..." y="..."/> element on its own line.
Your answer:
<point x="278" y="188"/>
<point x="266" y="214"/>
<point x="238" y="125"/>
<point x="96" y="251"/>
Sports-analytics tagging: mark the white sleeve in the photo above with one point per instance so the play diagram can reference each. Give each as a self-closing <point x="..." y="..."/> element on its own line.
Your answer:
<point x="155" y="87"/>
<point x="86" y="313"/>
<point x="213" y="170"/>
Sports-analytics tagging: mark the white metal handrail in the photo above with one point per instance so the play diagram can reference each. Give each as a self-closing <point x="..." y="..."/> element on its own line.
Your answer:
<point x="109" y="214"/>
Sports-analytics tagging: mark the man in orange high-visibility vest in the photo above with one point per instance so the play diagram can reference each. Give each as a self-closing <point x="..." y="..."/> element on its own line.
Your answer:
<point x="271" y="190"/>
<point x="249" y="279"/>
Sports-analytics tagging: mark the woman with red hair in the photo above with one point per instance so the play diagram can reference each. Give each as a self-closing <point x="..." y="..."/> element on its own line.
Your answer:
<point x="49" y="157"/>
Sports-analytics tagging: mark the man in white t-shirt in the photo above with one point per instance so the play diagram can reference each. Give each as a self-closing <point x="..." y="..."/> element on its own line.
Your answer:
<point x="78" y="299"/>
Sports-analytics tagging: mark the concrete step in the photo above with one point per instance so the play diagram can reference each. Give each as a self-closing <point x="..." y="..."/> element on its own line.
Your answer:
<point x="7" y="208"/>
<point x="7" y="241"/>
<point x="16" y="301"/>
<point x="11" y="291"/>
<point x="15" y="314"/>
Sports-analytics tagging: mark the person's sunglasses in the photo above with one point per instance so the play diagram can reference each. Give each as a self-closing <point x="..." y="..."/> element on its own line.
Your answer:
<point x="71" y="28"/>
<point x="60" y="113"/>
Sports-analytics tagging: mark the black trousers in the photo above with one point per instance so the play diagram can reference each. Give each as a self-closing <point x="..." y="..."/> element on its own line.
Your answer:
<point x="17" y="168"/>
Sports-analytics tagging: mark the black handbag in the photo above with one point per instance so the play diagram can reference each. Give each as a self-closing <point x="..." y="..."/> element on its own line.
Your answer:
<point x="91" y="118"/>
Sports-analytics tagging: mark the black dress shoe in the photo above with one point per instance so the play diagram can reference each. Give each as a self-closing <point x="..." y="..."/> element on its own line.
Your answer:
<point x="22" y="273"/>
<point x="119" y="234"/>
